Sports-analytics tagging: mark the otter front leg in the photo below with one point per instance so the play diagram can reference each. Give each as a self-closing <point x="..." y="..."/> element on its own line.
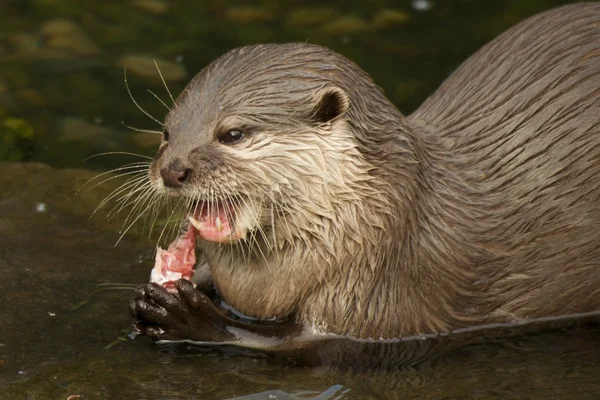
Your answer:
<point x="191" y="315"/>
<point x="188" y="315"/>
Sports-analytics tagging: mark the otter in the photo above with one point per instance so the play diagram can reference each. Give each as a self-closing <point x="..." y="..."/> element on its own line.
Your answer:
<point x="322" y="211"/>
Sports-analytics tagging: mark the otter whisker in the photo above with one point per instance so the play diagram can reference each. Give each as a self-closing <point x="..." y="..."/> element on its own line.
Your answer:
<point x="132" y="223"/>
<point x="165" y="204"/>
<point x="279" y="205"/>
<point x="123" y="168"/>
<point x="266" y="193"/>
<point x="239" y="247"/>
<point x="260" y="227"/>
<point x="171" y="213"/>
<point x="135" y="102"/>
<point x="134" y="185"/>
<point x="147" y="197"/>
<point x="275" y="247"/>
<point x="286" y="223"/>
<point x="159" y="99"/>
<point x="152" y="214"/>
<point x="196" y="201"/>
<point x="212" y="204"/>
<point x="161" y="203"/>
<point x="130" y="184"/>
<point x="244" y="249"/>
<point x="164" y="82"/>
<point x="112" y="153"/>
<point x="141" y="130"/>
<point x="138" y="202"/>
<point x="230" y="211"/>
<point x="180" y="208"/>
<point x="253" y="240"/>
<point x="137" y="177"/>
<point x="170" y="226"/>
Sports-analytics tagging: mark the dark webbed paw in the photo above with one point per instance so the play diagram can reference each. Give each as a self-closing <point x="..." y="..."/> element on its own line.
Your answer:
<point x="187" y="315"/>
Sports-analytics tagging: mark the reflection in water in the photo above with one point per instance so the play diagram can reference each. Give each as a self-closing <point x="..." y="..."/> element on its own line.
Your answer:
<point x="333" y="392"/>
<point x="415" y="352"/>
<point x="392" y="355"/>
<point x="61" y="77"/>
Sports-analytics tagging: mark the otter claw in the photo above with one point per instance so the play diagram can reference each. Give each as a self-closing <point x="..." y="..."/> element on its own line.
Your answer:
<point x="189" y="315"/>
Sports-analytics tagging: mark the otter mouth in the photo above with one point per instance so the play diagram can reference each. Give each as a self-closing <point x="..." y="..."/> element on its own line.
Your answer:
<point x="217" y="222"/>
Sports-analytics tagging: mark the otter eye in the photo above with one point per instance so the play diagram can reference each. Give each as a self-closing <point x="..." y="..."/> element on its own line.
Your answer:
<point x="165" y="135"/>
<point x="231" y="136"/>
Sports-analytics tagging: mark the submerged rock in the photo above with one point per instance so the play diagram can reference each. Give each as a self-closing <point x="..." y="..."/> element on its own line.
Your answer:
<point x="309" y="16"/>
<point x="65" y="35"/>
<point x="22" y="43"/>
<point x="31" y="97"/>
<point x="247" y="15"/>
<point x="156" y="7"/>
<point x="73" y="129"/>
<point x="346" y="25"/>
<point x="6" y="98"/>
<point x="388" y="17"/>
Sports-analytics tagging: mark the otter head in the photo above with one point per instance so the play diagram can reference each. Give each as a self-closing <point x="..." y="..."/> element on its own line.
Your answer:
<point x="265" y="144"/>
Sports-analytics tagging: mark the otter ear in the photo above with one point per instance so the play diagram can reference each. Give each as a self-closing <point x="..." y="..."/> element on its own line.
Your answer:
<point x="332" y="103"/>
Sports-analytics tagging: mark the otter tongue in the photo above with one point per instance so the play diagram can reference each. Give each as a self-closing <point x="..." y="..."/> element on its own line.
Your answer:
<point x="176" y="262"/>
<point x="213" y="224"/>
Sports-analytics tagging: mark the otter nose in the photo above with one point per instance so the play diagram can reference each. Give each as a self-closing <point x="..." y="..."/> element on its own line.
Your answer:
<point x="175" y="174"/>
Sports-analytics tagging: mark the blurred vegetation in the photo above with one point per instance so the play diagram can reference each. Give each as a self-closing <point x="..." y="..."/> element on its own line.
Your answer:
<point x="64" y="58"/>
<point x="16" y="138"/>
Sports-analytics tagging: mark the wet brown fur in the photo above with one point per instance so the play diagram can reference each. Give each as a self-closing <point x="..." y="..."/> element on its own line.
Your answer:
<point x="482" y="206"/>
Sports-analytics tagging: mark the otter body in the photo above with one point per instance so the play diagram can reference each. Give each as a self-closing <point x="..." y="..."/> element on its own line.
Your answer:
<point x="347" y="217"/>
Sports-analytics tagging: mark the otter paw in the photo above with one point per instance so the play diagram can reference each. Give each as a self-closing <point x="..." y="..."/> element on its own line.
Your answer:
<point x="187" y="315"/>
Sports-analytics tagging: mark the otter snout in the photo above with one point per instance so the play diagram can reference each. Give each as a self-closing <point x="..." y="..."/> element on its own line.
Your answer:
<point x="175" y="173"/>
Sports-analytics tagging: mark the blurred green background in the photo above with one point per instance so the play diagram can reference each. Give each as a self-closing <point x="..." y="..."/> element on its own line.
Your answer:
<point x="62" y="90"/>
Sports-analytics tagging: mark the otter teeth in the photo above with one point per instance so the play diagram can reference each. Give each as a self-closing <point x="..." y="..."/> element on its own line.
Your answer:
<point x="201" y="225"/>
<point x="197" y="224"/>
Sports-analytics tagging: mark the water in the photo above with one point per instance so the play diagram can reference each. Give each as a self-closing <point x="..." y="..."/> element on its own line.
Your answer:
<point x="66" y="286"/>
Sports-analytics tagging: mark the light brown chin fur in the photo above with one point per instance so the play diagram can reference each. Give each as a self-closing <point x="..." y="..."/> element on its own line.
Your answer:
<point x="482" y="206"/>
